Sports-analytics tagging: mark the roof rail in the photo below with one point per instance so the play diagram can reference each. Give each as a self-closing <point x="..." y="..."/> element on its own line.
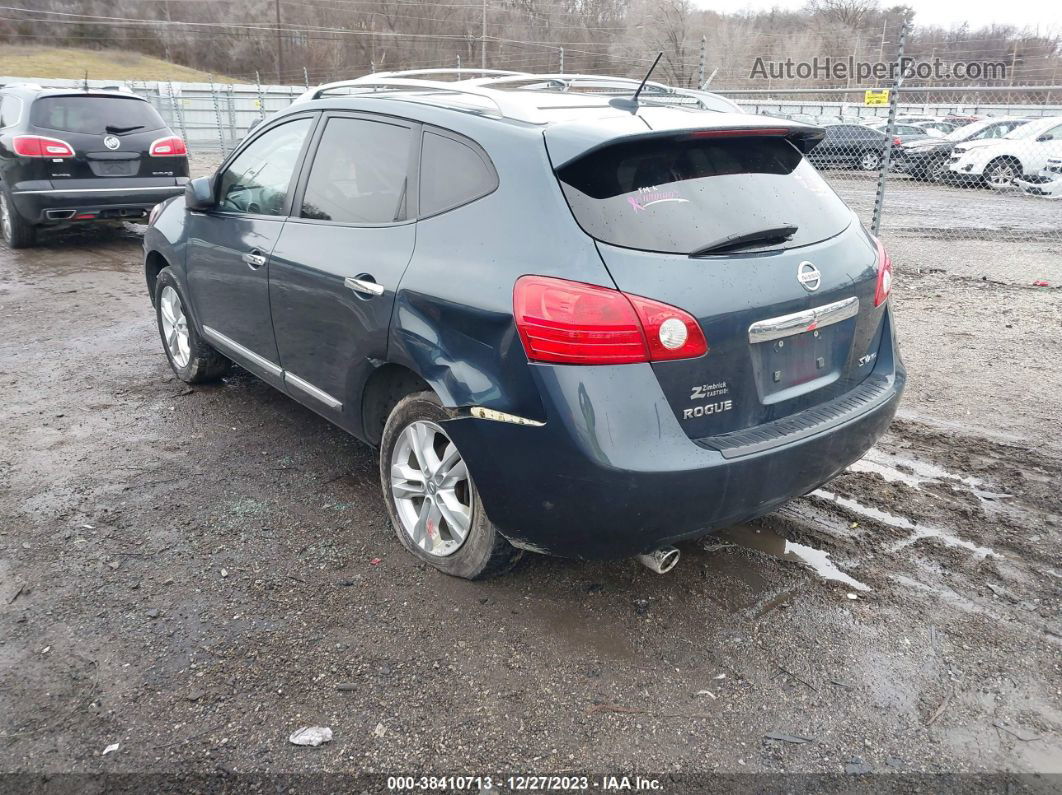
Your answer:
<point x="567" y="81"/>
<point x="459" y="71"/>
<point x="505" y="103"/>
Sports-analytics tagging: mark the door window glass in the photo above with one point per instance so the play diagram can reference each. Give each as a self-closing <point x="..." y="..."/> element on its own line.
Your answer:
<point x="359" y="175"/>
<point x="257" y="180"/>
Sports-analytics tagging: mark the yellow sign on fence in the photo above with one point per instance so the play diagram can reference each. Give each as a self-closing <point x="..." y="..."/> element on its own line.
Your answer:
<point x="876" y="97"/>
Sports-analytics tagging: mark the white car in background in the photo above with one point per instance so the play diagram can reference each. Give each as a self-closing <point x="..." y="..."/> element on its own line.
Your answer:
<point x="999" y="162"/>
<point x="1047" y="184"/>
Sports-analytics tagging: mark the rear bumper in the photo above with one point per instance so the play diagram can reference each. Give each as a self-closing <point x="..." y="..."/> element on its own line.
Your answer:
<point x="609" y="476"/>
<point x="40" y="203"/>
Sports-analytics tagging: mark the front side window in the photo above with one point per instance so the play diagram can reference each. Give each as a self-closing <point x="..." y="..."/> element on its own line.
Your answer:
<point x="451" y="174"/>
<point x="257" y="181"/>
<point x="359" y="175"/>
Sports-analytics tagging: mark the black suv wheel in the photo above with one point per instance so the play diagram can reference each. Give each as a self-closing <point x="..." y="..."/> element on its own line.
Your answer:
<point x="17" y="232"/>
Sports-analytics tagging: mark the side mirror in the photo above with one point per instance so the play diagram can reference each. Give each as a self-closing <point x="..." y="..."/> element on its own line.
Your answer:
<point x="199" y="194"/>
<point x="1045" y="137"/>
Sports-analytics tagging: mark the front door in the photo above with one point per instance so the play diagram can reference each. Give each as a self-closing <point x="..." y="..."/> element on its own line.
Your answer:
<point x="229" y="246"/>
<point x="337" y="265"/>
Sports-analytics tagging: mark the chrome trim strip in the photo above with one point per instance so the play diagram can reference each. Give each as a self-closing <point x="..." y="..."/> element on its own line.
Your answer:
<point x="483" y="413"/>
<point x="312" y="391"/>
<point x="239" y="350"/>
<point x="177" y="188"/>
<point x="808" y="320"/>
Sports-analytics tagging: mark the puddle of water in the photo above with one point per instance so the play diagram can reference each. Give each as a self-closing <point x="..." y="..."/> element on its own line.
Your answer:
<point x="917" y="531"/>
<point x="772" y="544"/>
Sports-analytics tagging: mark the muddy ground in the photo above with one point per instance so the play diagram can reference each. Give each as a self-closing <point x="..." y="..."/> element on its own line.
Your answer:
<point x="189" y="573"/>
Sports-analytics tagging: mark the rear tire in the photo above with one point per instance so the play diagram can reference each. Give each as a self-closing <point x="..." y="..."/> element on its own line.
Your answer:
<point x="192" y="359"/>
<point x="869" y="161"/>
<point x="441" y="518"/>
<point x="16" y="230"/>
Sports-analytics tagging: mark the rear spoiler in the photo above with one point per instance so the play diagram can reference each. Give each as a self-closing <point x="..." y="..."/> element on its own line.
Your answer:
<point x="569" y="143"/>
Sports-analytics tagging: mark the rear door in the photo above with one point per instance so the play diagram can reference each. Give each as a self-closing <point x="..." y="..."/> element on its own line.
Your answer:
<point x="229" y="246"/>
<point x="111" y="137"/>
<point x="340" y="257"/>
<point x="656" y="206"/>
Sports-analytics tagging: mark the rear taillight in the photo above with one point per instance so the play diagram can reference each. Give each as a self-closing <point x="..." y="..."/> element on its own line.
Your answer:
<point x="170" y="146"/>
<point x="576" y="323"/>
<point x="896" y="141"/>
<point x="39" y="146"/>
<point x="884" y="286"/>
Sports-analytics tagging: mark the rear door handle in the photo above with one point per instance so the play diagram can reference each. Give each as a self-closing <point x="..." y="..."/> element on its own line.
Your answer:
<point x="364" y="285"/>
<point x="254" y="259"/>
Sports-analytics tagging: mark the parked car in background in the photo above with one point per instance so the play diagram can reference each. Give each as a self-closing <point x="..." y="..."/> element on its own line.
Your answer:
<point x="928" y="158"/>
<point x="996" y="163"/>
<point x="82" y="156"/>
<point x="1047" y="183"/>
<point x="936" y="129"/>
<point x="905" y="131"/>
<point x="851" y="146"/>
<point x="569" y="327"/>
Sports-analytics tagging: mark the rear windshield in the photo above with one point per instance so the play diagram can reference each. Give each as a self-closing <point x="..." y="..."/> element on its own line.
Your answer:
<point x="679" y="196"/>
<point x="95" y="115"/>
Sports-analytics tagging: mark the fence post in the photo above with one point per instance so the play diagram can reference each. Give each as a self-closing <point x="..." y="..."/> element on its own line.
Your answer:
<point x="458" y="63"/>
<point x="306" y="78"/>
<point x="562" y="60"/>
<point x="179" y="113"/>
<point x="261" y="96"/>
<point x="232" y="115"/>
<point x="217" y="115"/>
<point x="890" y="128"/>
<point x="700" y="67"/>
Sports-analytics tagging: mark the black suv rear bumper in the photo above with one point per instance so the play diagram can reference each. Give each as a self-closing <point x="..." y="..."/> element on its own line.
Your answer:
<point x="42" y="202"/>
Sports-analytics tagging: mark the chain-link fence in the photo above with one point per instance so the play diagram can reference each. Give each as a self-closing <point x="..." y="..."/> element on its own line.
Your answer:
<point x="968" y="181"/>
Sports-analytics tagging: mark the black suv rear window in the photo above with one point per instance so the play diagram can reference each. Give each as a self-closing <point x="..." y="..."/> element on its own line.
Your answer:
<point x="680" y="195"/>
<point x="95" y="115"/>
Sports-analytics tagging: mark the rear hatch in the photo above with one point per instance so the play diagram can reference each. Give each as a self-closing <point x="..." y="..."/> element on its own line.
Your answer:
<point x="736" y="228"/>
<point x="111" y="136"/>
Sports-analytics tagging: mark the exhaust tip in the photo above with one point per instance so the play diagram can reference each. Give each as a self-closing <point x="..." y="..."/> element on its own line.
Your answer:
<point x="661" y="560"/>
<point x="59" y="215"/>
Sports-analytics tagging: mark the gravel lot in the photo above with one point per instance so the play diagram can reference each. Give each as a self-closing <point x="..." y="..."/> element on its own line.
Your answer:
<point x="190" y="573"/>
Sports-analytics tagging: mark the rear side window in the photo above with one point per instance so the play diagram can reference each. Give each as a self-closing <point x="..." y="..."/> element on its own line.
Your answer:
<point x="95" y="115"/>
<point x="679" y="196"/>
<point x="359" y="175"/>
<point x="10" y="110"/>
<point x="451" y="174"/>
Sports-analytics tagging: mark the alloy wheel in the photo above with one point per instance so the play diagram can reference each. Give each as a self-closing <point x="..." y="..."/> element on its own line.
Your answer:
<point x="1001" y="175"/>
<point x="869" y="161"/>
<point x="174" y="326"/>
<point x="431" y="489"/>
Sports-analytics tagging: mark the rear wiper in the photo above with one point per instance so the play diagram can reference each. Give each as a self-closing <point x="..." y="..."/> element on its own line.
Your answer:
<point x="776" y="234"/>
<point x="112" y="129"/>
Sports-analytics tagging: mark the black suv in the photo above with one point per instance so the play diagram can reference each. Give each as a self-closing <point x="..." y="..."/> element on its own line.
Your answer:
<point x="70" y="155"/>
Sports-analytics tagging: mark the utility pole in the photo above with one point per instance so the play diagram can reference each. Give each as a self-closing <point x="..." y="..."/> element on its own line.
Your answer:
<point x="280" y="46"/>
<point x="483" y="40"/>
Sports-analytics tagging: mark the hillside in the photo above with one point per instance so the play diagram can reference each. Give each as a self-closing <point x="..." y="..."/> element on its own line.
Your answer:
<point x="62" y="62"/>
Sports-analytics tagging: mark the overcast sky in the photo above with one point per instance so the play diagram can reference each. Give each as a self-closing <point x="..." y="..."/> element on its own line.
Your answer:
<point x="948" y="13"/>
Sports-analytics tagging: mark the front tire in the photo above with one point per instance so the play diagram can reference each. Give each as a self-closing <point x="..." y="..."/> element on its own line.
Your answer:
<point x="192" y="359"/>
<point x="431" y="500"/>
<point x="1001" y="173"/>
<point x="16" y="230"/>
